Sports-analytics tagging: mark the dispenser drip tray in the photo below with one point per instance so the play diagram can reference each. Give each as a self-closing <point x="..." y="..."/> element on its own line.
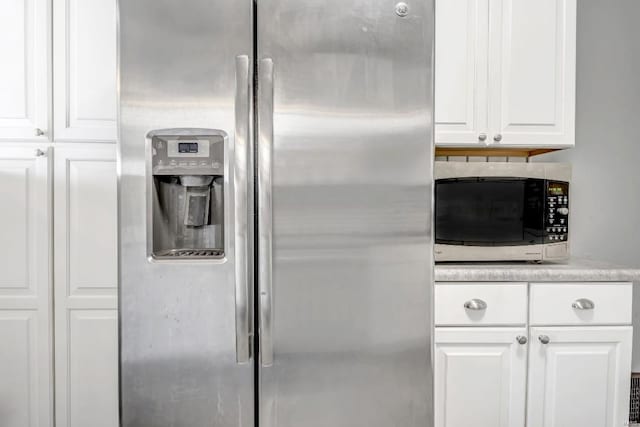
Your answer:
<point x="191" y="253"/>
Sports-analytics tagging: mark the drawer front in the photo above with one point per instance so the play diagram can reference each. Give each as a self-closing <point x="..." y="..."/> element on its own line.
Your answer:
<point x="580" y="303"/>
<point x="480" y="304"/>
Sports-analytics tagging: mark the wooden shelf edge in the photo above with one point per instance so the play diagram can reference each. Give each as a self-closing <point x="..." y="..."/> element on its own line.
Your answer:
<point x="492" y="152"/>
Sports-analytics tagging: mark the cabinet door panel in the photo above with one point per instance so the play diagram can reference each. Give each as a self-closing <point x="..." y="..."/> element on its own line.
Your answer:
<point x="92" y="368"/>
<point x="25" y="297"/>
<point x="480" y="377"/>
<point x="18" y="368"/>
<point x="581" y="378"/>
<point x="86" y="285"/>
<point x="461" y="71"/>
<point x="532" y="72"/>
<point x="85" y="70"/>
<point x="24" y="91"/>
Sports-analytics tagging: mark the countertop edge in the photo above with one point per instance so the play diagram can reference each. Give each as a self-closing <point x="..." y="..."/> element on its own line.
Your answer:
<point x="573" y="271"/>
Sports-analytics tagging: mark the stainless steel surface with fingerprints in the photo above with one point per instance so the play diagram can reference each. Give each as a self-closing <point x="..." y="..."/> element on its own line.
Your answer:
<point x="349" y="323"/>
<point x="184" y="321"/>
<point x="344" y="147"/>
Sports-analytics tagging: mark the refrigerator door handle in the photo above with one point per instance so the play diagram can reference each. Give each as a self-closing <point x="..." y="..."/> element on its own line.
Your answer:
<point x="265" y="223"/>
<point x="241" y="212"/>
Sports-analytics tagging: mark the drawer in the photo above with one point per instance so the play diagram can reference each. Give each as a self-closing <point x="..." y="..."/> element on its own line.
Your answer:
<point x="487" y="304"/>
<point x="580" y="303"/>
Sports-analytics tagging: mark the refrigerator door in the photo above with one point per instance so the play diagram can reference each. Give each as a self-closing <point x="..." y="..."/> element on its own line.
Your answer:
<point x="185" y="70"/>
<point x="345" y="106"/>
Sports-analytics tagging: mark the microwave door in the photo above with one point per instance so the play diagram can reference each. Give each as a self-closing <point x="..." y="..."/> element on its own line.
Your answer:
<point x="490" y="212"/>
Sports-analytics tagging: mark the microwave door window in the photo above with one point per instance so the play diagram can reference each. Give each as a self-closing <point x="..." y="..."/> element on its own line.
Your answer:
<point x="489" y="211"/>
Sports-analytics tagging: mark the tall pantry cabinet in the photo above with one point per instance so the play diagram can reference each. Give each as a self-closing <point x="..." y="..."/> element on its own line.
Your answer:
<point x="58" y="280"/>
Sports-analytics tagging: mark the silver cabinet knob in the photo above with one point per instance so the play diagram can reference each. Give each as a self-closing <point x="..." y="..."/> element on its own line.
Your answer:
<point x="544" y="339"/>
<point x="563" y="211"/>
<point x="521" y="339"/>
<point x="40" y="153"/>
<point x="583" y="304"/>
<point x="475" y="304"/>
<point x="38" y="132"/>
<point x="482" y="137"/>
<point x="497" y="138"/>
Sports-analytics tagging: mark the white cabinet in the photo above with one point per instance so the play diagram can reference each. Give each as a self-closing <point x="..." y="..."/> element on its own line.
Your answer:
<point x="532" y="72"/>
<point x="462" y="38"/>
<point x="505" y="73"/>
<point x="573" y="370"/>
<point x="579" y="376"/>
<point x="480" y="377"/>
<point x="24" y="74"/>
<point x="25" y="296"/>
<point x="581" y="304"/>
<point x="84" y="70"/>
<point x="480" y="304"/>
<point x="85" y="274"/>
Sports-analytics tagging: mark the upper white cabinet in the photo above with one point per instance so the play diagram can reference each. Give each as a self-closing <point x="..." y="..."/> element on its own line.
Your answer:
<point x="579" y="376"/>
<point x="462" y="38"/>
<point x="25" y="288"/>
<point x="84" y="70"/>
<point x="24" y="73"/>
<point x="505" y="73"/>
<point x="532" y="68"/>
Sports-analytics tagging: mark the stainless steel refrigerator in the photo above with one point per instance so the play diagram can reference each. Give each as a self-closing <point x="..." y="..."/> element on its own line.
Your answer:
<point x="275" y="213"/>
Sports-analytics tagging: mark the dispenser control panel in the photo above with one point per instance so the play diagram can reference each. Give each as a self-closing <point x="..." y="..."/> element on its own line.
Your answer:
<point x="172" y="155"/>
<point x="187" y="194"/>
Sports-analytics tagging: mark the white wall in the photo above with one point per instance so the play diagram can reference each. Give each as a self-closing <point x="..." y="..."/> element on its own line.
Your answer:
<point x="606" y="161"/>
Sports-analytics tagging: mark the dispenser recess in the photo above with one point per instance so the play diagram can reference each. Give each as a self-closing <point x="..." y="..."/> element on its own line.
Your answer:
<point x="187" y="188"/>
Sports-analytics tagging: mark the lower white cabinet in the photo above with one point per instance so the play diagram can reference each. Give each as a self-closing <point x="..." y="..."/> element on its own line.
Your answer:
<point x="572" y="366"/>
<point x="25" y="298"/>
<point x="579" y="376"/>
<point x="480" y="377"/>
<point x="85" y="274"/>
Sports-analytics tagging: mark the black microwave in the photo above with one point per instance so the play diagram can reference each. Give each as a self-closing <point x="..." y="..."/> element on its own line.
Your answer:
<point x="501" y="211"/>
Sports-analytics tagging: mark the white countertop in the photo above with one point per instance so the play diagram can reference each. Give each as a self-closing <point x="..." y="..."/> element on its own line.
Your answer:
<point x="575" y="270"/>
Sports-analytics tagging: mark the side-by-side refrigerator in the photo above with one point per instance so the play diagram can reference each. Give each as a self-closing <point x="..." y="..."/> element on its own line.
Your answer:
<point x="275" y="213"/>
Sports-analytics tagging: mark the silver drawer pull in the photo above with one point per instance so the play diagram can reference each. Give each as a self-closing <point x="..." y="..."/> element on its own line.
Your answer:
<point x="475" y="304"/>
<point x="544" y="339"/>
<point x="583" y="304"/>
<point x="522" y="340"/>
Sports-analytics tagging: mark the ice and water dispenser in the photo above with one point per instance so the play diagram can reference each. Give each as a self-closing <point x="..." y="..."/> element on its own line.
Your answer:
<point x="187" y="180"/>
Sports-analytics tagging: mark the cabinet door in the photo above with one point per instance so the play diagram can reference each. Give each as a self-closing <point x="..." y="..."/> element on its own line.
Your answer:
<point x="85" y="272"/>
<point x="532" y="72"/>
<point x="84" y="60"/>
<point x="25" y="297"/>
<point x="480" y="377"/>
<point x="461" y="71"/>
<point x="580" y="378"/>
<point x="24" y="85"/>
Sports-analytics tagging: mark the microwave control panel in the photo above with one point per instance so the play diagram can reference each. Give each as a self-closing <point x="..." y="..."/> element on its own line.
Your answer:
<point x="557" y="212"/>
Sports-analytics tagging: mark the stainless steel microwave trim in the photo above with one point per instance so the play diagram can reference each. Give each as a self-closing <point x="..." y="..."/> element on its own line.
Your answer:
<point x="541" y="252"/>
<point x="240" y="173"/>
<point x="553" y="171"/>
<point x="265" y="223"/>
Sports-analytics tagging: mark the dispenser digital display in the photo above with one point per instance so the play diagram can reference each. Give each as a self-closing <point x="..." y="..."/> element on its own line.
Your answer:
<point x="187" y="190"/>
<point x="188" y="147"/>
